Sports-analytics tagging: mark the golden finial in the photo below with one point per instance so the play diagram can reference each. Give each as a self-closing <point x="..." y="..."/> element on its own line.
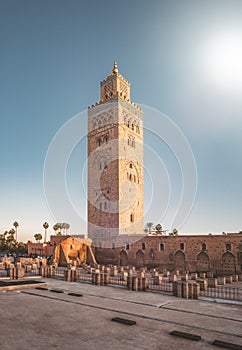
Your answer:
<point x="115" y="68"/>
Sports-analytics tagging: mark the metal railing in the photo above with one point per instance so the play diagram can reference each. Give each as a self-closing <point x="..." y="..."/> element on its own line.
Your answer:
<point x="58" y="273"/>
<point x="119" y="281"/>
<point x="3" y="273"/>
<point x="83" y="277"/>
<point x="161" y="287"/>
<point x="32" y="273"/>
<point x="222" y="292"/>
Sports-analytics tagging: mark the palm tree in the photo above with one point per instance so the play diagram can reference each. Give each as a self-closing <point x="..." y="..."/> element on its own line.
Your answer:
<point x="16" y="225"/>
<point x="10" y="241"/>
<point x="150" y="227"/>
<point x="38" y="237"/>
<point x="158" y="228"/>
<point x="175" y="232"/>
<point x="56" y="227"/>
<point x="61" y="227"/>
<point x="46" y="226"/>
<point x="66" y="227"/>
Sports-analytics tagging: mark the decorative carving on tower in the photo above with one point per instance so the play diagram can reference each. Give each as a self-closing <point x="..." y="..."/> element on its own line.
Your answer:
<point x="115" y="85"/>
<point x="115" y="162"/>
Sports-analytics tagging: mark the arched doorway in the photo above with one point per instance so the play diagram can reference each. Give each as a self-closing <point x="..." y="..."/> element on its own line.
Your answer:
<point x="140" y="259"/>
<point x="203" y="262"/>
<point x="228" y="263"/>
<point x="123" y="258"/>
<point x="180" y="261"/>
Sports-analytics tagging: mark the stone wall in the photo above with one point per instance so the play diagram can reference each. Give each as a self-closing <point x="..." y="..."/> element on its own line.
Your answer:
<point x="115" y="163"/>
<point x="221" y="254"/>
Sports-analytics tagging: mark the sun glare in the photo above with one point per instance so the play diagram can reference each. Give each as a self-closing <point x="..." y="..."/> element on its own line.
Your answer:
<point x="223" y="60"/>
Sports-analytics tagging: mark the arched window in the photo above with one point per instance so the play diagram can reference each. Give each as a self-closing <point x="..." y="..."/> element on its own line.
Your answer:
<point x="106" y="139"/>
<point x="182" y="246"/>
<point x="204" y="246"/>
<point x="132" y="126"/>
<point x="130" y="177"/>
<point x="131" y="165"/>
<point x="228" y="246"/>
<point x="143" y="246"/>
<point x="134" y="178"/>
<point x="131" y="217"/>
<point x="113" y="245"/>
<point x="162" y="247"/>
<point x="99" y="142"/>
<point x="127" y="246"/>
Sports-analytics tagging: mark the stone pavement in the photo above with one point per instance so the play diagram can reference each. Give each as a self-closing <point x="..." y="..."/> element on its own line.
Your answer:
<point x="41" y="319"/>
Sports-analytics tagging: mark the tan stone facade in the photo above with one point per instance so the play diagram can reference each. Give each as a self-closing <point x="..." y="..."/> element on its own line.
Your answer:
<point x="75" y="251"/>
<point x="115" y="163"/>
<point x="221" y="254"/>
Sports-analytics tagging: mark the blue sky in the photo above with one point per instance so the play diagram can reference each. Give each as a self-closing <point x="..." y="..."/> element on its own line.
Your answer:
<point x="182" y="58"/>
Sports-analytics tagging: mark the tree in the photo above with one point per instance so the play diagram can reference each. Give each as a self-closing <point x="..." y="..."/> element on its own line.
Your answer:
<point x="56" y="228"/>
<point x="16" y="225"/>
<point x="158" y="228"/>
<point x="150" y="227"/>
<point x="10" y="241"/>
<point x="61" y="228"/>
<point x="46" y="226"/>
<point x="65" y="227"/>
<point x="11" y="234"/>
<point x="175" y="232"/>
<point x="2" y="241"/>
<point x="21" y="248"/>
<point x="38" y="237"/>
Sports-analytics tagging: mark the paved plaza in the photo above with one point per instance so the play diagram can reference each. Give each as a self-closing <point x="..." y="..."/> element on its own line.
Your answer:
<point x="43" y="319"/>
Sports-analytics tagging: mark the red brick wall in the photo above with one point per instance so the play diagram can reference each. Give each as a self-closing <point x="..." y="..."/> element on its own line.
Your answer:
<point x="216" y="258"/>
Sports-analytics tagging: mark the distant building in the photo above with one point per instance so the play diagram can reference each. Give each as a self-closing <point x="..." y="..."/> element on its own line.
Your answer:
<point x="48" y="248"/>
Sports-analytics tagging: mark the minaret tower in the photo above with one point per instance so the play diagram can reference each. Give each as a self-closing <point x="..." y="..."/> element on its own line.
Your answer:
<point x="115" y="163"/>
